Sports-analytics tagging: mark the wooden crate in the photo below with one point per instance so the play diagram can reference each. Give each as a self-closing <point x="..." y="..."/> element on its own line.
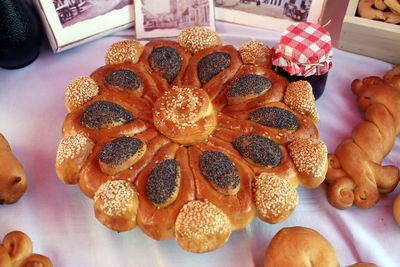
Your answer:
<point x="369" y="37"/>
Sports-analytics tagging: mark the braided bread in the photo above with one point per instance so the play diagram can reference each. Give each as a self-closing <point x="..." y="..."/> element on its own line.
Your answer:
<point x="159" y="147"/>
<point x="355" y="174"/>
<point x="16" y="251"/>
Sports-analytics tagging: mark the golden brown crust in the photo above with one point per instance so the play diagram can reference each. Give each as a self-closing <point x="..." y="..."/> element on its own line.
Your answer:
<point x="275" y="198"/>
<point x="185" y="115"/>
<point x="5" y="259"/>
<point x="124" y="51"/>
<point x="299" y="97"/>
<point x="362" y="264"/>
<point x="91" y="176"/>
<point x="310" y="156"/>
<point x="274" y="94"/>
<point x="16" y="251"/>
<point x="148" y="87"/>
<point x="355" y="173"/>
<point x="13" y="181"/>
<point x="194" y="129"/>
<point x="396" y="209"/>
<point x="159" y="223"/>
<point x="36" y="260"/>
<point x="201" y="227"/>
<point x="394" y="5"/>
<point x="300" y="246"/>
<point x="72" y="153"/>
<point x="306" y="127"/>
<point x="115" y="205"/>
<point x="239" y="208"/>
<point x="195" y="39"/>
<point x="256" y="53"/>
<point x="80" y="91"/>
<point x="157" y="76"/>
<point x="216" y="83"/>
<point x="139" y="123"/>
<point x="18" y="245"/>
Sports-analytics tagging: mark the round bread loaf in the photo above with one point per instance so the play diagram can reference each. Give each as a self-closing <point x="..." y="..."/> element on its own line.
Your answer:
<point x="189" y="126"/>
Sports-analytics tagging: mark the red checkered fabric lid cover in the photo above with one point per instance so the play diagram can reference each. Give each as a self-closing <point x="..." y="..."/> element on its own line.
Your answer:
<point x="304" y="49"/>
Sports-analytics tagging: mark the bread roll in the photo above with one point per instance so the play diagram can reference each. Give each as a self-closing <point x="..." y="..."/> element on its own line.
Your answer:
<point x="72" y="153"/>
<point x="185" y="115"/>
<point x="115" y="205"/>
<point x="13" y="181"/>
<point x="16" y="251"/>
<point x="256" y="53"/>
<point x="196" y="39"/>
<point x="300" y="246"/>
<point x="201" y="227"/>
<point x="124" y="51"/>
<point x="275" y="198"/>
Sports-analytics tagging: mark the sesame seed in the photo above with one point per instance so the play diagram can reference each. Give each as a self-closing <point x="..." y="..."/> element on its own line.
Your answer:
<point x="71" y="146"/>
<point x="124" y="51"/>
<point x="197" y="219"/>
<point x="117" y="197"/>
<point x="79" y="91"/>
<point x="195" y="39"/>
<point x="274" y="195"/>
<point x="253" y="50"/>
<point x="309" y="155"/>
<point x="299" y="97"/>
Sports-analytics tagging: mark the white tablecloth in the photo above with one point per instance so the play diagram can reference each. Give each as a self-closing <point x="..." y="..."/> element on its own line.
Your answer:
<point x="60" y="219"/>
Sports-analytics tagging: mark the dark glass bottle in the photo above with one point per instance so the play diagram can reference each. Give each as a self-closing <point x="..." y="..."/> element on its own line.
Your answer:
<point x="317" y="82"/>
<point x="21" y="34"/>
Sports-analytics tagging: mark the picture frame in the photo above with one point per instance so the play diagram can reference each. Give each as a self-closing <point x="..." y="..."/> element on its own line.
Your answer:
<point x="69" y="23"/>
<point x="158" y="19"/>
<point x="274" y="15"/>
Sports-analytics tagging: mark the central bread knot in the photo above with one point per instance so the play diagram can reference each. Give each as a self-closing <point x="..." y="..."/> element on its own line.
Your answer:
<point x="185" y="115"/>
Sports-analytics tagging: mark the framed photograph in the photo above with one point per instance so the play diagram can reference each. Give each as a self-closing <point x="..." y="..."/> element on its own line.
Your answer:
<point x="274" y="15"/>
<point x="157" y="19"/>
<point x="69" y="23"/>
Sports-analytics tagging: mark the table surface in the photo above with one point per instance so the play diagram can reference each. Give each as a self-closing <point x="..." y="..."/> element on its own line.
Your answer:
<point x="60" y="219"/>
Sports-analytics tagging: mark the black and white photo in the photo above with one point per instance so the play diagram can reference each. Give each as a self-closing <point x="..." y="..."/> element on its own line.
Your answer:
<point x="156" y="18"/>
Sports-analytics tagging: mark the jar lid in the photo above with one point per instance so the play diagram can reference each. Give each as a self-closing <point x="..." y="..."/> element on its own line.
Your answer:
<point x="304" y="49"/>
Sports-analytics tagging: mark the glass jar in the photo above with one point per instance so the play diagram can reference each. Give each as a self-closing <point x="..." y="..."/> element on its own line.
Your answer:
<point x="304" y="52"/>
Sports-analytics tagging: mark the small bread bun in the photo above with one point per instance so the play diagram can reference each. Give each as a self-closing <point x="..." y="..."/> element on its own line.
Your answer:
<point x="116" y="204"/>
<point x="18" y="245"/>
<point x="300" y="246"/>
<point x="310" y="156"/>
<point x="80" y="91"/>
<point x="16" y="251"/>
<point x="362" y="264"/>
<point x="36" y="260"/>
<point x="299" y="97"/>
<point x="396" y="209"/>
<point x="13" y="182"/>
<point x="72" y="153"/>
<point x="5" y="260"/>
<point x="195" y="39"/>
<point x="124" y="51"/>
<point x="275" y="198"/>
<point x="185" y="115"/>
<point x="201" y="227"/>
<point x="256" y="53"/>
